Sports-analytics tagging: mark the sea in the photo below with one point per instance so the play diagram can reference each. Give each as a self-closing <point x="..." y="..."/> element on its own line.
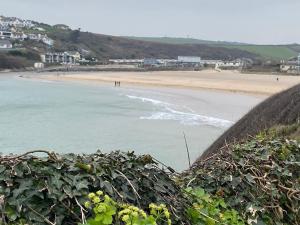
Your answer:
<point x="82" y="117"/>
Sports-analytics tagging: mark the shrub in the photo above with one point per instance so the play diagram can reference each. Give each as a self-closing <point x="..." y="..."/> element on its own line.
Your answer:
<point x="53" y="188"/>
<point x="210" y="210"/>
<point x="259" y="178"/>
<point x="106" y="211"/>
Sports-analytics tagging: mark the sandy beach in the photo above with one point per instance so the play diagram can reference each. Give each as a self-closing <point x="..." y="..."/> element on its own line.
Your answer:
<point x="209" y="79"/>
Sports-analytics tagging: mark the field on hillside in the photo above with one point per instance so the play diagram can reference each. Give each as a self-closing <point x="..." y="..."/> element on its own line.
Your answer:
<point x="268" y="51"/>
<point x="182" y="41"/>
<point x="275" y="52"/>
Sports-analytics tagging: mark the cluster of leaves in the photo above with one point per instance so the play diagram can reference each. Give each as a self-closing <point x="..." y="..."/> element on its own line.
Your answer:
<point x="52" y="190"/>
<point x="259" y="178"/>
<point x="106" y="211"/>
<point x="210" y="210"/>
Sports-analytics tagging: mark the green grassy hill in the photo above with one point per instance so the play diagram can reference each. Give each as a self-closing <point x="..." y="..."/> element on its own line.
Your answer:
<point x="106" y="46"/>
<point x="273" y="52"/>
<point x="171" y="40"/>
<point x="276" y="52"/>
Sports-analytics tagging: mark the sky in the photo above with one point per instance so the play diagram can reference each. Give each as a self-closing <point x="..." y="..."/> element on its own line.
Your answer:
<point x="248" y="21"/>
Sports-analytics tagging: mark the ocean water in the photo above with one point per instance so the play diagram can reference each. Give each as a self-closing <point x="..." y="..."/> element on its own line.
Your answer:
<point x="85" y="117"/>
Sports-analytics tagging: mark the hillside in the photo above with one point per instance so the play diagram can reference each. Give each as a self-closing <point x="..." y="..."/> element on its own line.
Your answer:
<point x="18" y="59"/>
<point x="105" y="47"/>
<point x="274" y="52"/>
<point x="280" y="109"/>
<point x="178" y="40"/>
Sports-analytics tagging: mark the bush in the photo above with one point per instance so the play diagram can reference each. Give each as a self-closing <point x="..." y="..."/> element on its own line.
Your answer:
<point x="53" y="188"/>
<point x="259" y="178"/>
<point x="210" y="210"/>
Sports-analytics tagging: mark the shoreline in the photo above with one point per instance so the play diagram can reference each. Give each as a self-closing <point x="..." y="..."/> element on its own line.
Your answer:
<point x="229" y="81"/>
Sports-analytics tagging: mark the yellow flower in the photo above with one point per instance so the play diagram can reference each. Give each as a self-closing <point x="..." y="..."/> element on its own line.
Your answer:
<point x="101" y="208"/>
<point x="152" y="205"/>
<point x="133" y="208"/>
<point x="143" y="213"/>
<point x="124" y="211"/>
<point x="91" y="195"/>
<point x="169" y="222"/>
<point x="125" y="218"/>
<point x="96" y="200"/>
<point x="99" y="193"/>
<point x="87" y="204"/>
<point x="135" y="214"/>
<point x="107" y="198"/>
<point x="162" y="205"/>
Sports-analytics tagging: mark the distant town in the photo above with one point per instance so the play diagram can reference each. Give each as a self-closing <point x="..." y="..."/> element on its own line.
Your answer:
<point x="14" y="32"/>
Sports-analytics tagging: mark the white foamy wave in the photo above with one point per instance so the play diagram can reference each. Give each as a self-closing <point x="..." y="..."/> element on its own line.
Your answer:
<point x="186" y="118"/>
<point x="189" y="119"/>
<point x="153" y="101"/>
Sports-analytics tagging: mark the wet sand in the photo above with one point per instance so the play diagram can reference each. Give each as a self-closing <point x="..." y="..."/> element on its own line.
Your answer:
<point x="209" y="79"/>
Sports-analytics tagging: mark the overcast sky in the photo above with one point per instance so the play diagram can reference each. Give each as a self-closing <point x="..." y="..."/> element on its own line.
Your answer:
<point x="251" y="21"/>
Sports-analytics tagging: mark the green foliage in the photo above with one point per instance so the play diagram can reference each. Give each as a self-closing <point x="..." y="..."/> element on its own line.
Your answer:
<point x="277" y="52"/>
<point x="268" y="51"/>
<point x="259" y="178"/>
<point x="39" y="189"/>
<point x="27" y="54"/>
<point x="74" y="36"/>
<point x="106" y="211"/>
<point x="208" y="210"/>
<point x="17" y="59"/>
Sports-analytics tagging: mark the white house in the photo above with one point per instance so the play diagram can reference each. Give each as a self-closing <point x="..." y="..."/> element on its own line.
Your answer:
<point x="76" y="55"/>
<point x="58" y="58"/>
<point x="39" y="65"/>
<point x="15" y="22"/>
<point x="189" y="59"/>
<point x="47" y="41"/>
<point x="291" y="66"/>
<point x="18" y="36"/>
<point x="229" y="64"/>
<point x="126" y="61"/>
<point x="5" y="44"/>
<point x="5" y="34"/>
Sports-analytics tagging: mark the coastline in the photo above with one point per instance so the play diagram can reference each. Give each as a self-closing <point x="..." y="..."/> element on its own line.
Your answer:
<point x="231" y="81"/>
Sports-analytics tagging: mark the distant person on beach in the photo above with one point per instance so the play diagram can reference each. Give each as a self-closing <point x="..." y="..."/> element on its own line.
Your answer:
<point x="277" y="79"/>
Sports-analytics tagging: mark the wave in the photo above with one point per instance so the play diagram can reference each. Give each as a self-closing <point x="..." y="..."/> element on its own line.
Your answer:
<point x="186" y="118"/>
<point x="153" y="101"/>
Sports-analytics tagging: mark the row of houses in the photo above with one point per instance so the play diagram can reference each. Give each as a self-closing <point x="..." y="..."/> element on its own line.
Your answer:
<point x="181" y="61"/>
<point x="4" y="34"/>
<point x="61" y="57"/>
<point x="15" y="22"/>
<point x="291" y="66"/>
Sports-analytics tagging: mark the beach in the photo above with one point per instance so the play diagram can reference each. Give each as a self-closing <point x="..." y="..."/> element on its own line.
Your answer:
<point x="82" y="112"/>
<point x="207" y="79"/>
<point x="81" y="116"/>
